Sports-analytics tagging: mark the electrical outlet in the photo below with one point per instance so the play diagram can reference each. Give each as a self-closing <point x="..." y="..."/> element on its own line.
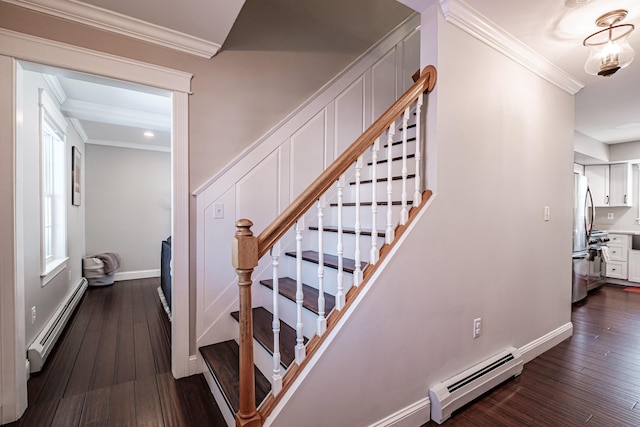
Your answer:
<point x="218" y="211"/>
<point x="477" y="327"/>
<point x="33" y="315"/>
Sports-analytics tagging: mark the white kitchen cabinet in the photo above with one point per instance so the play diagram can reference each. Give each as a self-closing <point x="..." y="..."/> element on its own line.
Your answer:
<point x="620" y="185"/>
<point x="610" y="185"/>
<point x="598" y="176"/>
<point x="634" y="266"/>
<point x="618" y="256"/>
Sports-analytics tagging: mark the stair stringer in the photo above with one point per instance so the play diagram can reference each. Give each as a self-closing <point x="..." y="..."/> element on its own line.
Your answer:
<point x="281" y="409"/>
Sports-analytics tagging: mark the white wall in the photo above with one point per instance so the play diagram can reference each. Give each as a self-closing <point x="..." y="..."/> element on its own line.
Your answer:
<point x="46" y="298"/>
<point x="128" y="204"/>
<point x="504" y="151"/>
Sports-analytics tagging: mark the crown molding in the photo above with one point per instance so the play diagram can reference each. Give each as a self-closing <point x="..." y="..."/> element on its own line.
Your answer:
<point x="130" y="145"/>
<point x="80" y="129"/>
<point x="102" y="113"/>
<point x="114" y="22"/>
<point x="463" y="16"/>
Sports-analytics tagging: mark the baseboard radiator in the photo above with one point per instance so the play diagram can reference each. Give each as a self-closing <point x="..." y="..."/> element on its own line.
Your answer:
<point x="43" y="344"/>
<point x="461" y="389"/>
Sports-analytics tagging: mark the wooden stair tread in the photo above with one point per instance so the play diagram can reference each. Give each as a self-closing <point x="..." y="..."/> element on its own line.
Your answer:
<point x="263" y="333"/>
<point x="223" y="360"/>
<point x="393" y="178"/>
<point x="400" y="142"/>
<point x="330" y="261"/>
<point x="409" y="156"/>
<point x="346" y="230"/>
<point x="287" y="288"/>
<point x="408" y="126"/>
<point x="393" y="203"/>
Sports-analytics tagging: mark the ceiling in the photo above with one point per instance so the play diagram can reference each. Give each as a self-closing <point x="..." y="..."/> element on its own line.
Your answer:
<point x="607" y="108"/>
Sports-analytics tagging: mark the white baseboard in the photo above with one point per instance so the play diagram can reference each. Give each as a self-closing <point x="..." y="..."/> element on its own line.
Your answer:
<point x="538" y="346"/>
<point x="413" y="415"/>
<point x="139" y="274"/>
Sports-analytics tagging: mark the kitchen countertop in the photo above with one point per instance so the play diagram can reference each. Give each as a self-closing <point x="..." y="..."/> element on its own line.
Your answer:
<point x="630" y="232"/>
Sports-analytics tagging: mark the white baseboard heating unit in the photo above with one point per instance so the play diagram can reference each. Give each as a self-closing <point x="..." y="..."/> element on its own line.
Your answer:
<point x="44" y="342"/>
<point x="457" y="391"/>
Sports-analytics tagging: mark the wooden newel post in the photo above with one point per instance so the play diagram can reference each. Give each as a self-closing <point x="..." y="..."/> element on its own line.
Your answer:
<point x="244" y="259"/>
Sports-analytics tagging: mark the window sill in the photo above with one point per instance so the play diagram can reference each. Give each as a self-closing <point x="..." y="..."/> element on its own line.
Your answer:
<point x="52" y="269"/>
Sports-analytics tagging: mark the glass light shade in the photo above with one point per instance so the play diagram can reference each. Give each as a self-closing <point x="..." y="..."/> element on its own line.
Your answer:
<point x="609" y="50"/>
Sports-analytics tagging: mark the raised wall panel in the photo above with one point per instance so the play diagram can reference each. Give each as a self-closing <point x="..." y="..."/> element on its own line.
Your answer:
<point x="410" y="59"/>
<point x="256" y="194"/>
<point x="383" y="75"/>
<point x="349" y="115"/>
<point x="307" y="154"/>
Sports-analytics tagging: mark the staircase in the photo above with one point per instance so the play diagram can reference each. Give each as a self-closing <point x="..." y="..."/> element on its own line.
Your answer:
<point x="321" y="257"/>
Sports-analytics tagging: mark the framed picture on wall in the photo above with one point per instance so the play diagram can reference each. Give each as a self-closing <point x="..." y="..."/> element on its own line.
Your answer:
<point x="76" y="162"/>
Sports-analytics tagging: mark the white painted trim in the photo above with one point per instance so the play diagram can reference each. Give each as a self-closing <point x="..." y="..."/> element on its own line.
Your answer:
<point x="43" y="51"/>
<point x="114" y="22"/>
<point x="137" y="274"/>
<point x="130" y="145"/>
<point x="415" y="414"/>
<point x="257" y="151"/>
<point x="80" y="129"/>
<point x="463" y="16"/>
<point x="52" y="110"/>
<point x="56" y="88"/>
<point x="13" y="398"/>
<point x="181" y="332"/>
<point x="102" y="113"/>
<point x="538" y="346"/>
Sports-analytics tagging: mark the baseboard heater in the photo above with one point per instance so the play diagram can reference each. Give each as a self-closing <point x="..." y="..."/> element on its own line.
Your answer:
<point x="457" y="391"/>
<point x="43" y="344"/>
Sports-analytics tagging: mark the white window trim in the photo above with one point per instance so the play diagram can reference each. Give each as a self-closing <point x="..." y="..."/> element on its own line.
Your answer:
<point x="50" y="112"/>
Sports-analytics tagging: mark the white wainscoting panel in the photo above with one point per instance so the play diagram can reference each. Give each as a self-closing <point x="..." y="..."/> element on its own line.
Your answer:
<point x="264" y="180"/>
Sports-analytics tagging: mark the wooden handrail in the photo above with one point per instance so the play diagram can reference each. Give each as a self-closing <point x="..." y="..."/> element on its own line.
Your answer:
<point x="308" y="197"/>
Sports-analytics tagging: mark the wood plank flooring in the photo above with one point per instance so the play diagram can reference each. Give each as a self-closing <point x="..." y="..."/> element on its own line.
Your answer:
<point x="592" y="378"/>
<point x="112" y="367"/>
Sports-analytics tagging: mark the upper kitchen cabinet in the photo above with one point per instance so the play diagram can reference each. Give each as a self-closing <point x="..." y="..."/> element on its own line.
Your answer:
<point x="620" y="185"/>
<point x="598" y="176"/>
<point x="610" y="184"/>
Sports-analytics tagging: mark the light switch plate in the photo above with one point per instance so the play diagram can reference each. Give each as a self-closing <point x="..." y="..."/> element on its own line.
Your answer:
<point x="218" y="211"/>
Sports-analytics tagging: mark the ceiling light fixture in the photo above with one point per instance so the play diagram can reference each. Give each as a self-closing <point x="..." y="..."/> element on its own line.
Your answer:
<point x="148" y="134"/>
<point x="610" y="50"/>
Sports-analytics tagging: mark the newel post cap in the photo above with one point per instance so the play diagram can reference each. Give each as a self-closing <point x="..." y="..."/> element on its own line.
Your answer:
<point x="244" y="246"/>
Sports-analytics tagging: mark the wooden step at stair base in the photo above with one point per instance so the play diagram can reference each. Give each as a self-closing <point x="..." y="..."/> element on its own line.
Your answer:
<point x="288" y="286"/>
<point x="346" y="230"/>
<point x="263" y="333"/>
<point x="331" y="261"/>
<point x="223" y="360"/>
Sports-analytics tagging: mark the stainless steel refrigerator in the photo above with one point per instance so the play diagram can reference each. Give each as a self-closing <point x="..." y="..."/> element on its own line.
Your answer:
<point x="583" y="215"/>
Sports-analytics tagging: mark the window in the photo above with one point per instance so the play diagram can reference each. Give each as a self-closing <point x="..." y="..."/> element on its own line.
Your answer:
<point x="53" y="167"/>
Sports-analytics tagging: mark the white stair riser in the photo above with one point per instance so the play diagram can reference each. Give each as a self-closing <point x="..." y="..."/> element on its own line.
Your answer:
<point x="263" y="296"/>
<point x="348" y="242"/>
<point x="381" y="171"/>
<point x="396" y="150"/>
<point x="349" y="213"/>
<point x="310" y="275"/>
<point x="227" y="414"/>
<point x="381" y="192"/>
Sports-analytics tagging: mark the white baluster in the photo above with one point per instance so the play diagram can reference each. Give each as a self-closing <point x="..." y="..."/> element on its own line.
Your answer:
<point x="404" y="212"/>
<point x="417" y="194"/>
<point x="340" y="297"/>
<point x="322" y="321"/>
<point x="374" y="254"/>
<point x="300" y="349"/>
<point x="357" y="273"/>
<point x="276" y="385"/>
<point x="389" y="232"/>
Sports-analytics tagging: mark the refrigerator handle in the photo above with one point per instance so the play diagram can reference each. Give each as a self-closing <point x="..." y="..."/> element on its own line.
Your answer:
<point x="593" y="214"/>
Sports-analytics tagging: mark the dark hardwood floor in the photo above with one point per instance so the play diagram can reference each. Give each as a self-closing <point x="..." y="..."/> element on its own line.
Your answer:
<point x="593" y="378"/>
<point x="112" y="367"/>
